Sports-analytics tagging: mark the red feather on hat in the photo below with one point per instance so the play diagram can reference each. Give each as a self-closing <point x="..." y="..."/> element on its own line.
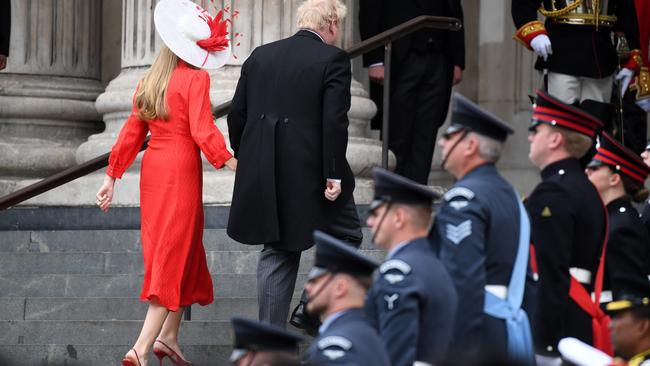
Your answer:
<point x="218" y="32"/>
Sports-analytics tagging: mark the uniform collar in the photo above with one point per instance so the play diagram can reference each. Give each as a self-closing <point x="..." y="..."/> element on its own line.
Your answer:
<point x="310" y="33"/>
<point x="397" y="248"/>
<point x="561" y="167"/>
<point x="616" y="204"/>
<point x="638" y="359"/>
<point x="487" y="168"/>
<point x="330" y="319"/>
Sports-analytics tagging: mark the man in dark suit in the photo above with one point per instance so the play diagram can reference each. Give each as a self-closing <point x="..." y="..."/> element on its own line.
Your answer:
<point x="568" y="227"/>
<point x="5" y="30"/>
<point x="424" y="67"/>
<point x="288" y="129"/>
<point x="336" y="288"/>
<point x="413" y="302"/>
<point x="487" y="264"/>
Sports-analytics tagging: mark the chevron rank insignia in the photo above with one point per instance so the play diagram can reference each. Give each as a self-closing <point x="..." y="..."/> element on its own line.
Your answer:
<point x="546" y="212"/>
<point x="456" y="234"/>
<point x="397" y="264"/>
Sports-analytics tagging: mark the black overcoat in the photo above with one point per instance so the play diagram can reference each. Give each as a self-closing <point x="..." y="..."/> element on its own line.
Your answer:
<point x="288" y="128"/>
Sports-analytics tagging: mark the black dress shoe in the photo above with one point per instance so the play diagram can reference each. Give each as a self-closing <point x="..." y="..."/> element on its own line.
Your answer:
<point x="303" y="320"/>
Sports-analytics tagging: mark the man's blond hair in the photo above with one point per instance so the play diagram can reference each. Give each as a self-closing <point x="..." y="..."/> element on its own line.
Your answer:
<point x="318" y="14"/>
<point x="575" y="143"/>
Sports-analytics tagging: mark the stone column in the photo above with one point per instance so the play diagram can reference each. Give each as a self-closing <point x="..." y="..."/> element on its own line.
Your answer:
<point x="259" y="22"/>
<point x="48" y="90"/>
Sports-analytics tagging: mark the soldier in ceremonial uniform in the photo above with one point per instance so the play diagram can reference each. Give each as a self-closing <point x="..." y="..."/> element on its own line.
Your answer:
<point x="487" y="264"/>
<point x="413" y="301"/>
<point x="642" y="82"/>
<point x="336" y="290"/>
<point x="575" y="44"/>
<point x="568" y="225"/>
<point x="258" y="343"/>
<point x="619" y="175"/>
<point x="631" y="324"/>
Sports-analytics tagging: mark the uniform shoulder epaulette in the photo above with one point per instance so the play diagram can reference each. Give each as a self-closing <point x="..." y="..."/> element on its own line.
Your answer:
<point x="394" y="265"/>
<point x="334" y="347"/>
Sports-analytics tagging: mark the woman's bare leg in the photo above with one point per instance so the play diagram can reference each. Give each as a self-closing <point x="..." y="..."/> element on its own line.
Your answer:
<point x="153" y="322"/>
<point x="169" y="332"/>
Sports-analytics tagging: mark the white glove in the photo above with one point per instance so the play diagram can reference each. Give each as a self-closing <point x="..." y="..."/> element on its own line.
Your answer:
<point x="624" y="77"/>
<point x="542" y="46"/>
<point x="644" y="104"/>
<point x="548" y="360"/>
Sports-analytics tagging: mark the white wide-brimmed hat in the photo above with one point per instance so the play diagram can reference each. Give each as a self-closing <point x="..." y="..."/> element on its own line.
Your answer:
<point x="192" y="34"/>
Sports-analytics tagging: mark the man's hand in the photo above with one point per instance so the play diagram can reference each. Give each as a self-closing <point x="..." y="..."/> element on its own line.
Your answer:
<point x="542" y="46"/>
<point x="333" y="190"/>
<point x="3" y="62"/>
<point x="376" y="74"/>
<point x="458" y="75"/>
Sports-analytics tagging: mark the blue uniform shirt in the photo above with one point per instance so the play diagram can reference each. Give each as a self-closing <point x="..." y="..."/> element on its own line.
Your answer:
<point x="476" y="236"/>
<point x="413" y="305"/>
<point x="347" y="339"/>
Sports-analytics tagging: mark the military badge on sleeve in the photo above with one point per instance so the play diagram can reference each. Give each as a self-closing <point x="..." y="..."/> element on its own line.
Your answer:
<point x="334" y="347"/>
<point x="456" y="233"/>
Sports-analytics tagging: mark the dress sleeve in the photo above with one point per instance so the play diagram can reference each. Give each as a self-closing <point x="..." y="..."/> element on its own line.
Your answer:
<point x="202" y="127"/>
<point x="128" y="144"/>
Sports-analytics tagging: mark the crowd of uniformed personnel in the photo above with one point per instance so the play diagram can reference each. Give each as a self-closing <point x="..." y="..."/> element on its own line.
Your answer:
<point x="490" y="274"/>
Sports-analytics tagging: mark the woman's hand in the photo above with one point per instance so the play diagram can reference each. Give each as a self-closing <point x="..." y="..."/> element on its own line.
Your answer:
<point x="105" y="193"/>
<point x="232" y="164"/>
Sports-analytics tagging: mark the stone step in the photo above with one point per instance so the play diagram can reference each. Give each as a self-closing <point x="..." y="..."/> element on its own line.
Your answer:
<point x="115" y="285"/>
<point x="114" y="241"/>
<point x="219" y="262"/>
<point x="100" y="355"/>
<point x="111" y="332"/>
<point x="62" y="308"/>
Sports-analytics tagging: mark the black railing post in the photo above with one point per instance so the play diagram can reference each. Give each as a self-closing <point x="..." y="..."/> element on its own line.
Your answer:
<point x="384" y="123"/>
<point x="187" y="314"/>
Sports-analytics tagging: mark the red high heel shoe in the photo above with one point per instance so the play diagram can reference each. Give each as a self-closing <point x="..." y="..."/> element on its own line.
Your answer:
<point x="176" y="359"/>
<point x="129" y="362"/>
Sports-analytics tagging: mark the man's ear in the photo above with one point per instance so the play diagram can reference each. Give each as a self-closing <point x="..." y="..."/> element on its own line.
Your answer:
<point x="556" y="139"/>
<point x="643" y="327"/>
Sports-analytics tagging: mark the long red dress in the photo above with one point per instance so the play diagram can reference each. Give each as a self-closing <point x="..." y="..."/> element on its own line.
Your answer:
<point x="171" y="184"/>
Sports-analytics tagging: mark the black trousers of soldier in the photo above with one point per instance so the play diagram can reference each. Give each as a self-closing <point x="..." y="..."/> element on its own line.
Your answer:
<point x="420" y="91"/>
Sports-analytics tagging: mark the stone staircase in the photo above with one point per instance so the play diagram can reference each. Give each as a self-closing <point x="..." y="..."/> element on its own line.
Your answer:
<point x="70" y="297"/>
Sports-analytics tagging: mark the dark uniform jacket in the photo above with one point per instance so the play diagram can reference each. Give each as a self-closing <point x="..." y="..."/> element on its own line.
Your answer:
<point x="376" y="16"/>
<point x="288" y="127"/>
<point x="5" y="26"/>
<point x="470" y="238"/>
<point x="349" y="340"/>
<point x="628" y="247"/>
<point x="581" y="50"/>
<point x="568" y="229"/>
<point x="645" y="216"/>
<point x="413" y="305"/>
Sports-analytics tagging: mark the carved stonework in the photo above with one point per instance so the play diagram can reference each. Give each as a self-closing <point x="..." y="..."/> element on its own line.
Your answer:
<point x="48" y="89"/>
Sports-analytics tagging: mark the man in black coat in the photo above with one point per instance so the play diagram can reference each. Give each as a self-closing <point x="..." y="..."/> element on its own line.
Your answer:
<point x="424" y="67"/>
<point x="568" y="225"/>
<point x="288" y="129"/>
<point x="337" y="287"/>
<point x="5" y="30"/>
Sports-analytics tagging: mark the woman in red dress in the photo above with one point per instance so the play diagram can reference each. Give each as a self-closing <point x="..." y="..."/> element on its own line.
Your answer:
<point x="172" y="102"/>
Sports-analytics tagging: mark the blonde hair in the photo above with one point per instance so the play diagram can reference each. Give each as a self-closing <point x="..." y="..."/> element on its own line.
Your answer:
<point x="151" y="95"/>
<point x="317" y="14"/>
<point x="575" y="143"/>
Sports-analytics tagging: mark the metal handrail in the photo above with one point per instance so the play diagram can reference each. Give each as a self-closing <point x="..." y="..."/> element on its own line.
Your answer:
<point x="382" y="39"/>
